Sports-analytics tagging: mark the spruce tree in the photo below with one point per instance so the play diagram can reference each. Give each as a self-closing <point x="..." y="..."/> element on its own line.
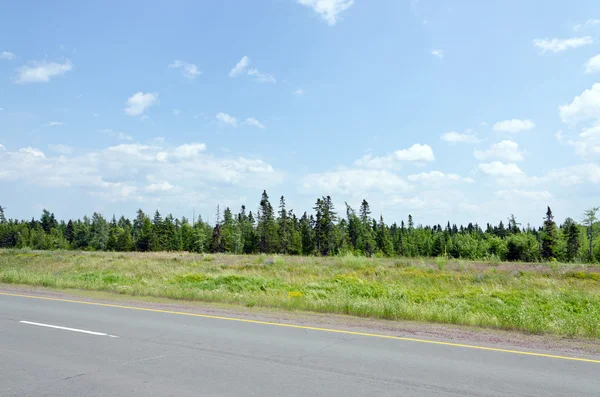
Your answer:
<point x="549" y="236"/>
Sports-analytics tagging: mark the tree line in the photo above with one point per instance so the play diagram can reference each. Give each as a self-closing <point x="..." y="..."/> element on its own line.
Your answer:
<point x="326" y="231"/>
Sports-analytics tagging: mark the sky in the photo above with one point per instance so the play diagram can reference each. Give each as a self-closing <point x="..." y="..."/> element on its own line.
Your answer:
<point x="460" y="111"/>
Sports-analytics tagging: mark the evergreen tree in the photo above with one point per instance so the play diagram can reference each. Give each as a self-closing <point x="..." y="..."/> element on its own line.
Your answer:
<point x="266" y="227"/>
<point x="571" y="232"/>
<point x="306" y="235"/>
<point x="284" y="230"/>
<point x="368" y="240"/>
<point x="549" y="236"/>
<point x="590" y="220"/>
<point x="70" y="232"/>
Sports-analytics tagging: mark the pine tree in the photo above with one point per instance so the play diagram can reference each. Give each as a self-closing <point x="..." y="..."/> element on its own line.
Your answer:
<point x="266" y="226"/>
<point x="306" y="235"/>
<point x="2" y="218"/>
<point x="70" y="232"/>
<point x="549" y="236"/>
<point x="590" y="219"/>
<point x="284" y="232"/>
<point x="571" y="232"/>
<point x="368" y="240"/>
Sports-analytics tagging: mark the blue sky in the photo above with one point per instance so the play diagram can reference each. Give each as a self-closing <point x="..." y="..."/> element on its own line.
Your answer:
<point x="455" y="110"/>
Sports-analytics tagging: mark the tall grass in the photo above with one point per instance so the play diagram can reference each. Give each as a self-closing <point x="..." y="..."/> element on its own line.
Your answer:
<point x="535" y="298"/>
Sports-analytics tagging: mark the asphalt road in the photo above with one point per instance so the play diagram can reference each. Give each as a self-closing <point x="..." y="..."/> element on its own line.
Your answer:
<point x="142" y="353"/>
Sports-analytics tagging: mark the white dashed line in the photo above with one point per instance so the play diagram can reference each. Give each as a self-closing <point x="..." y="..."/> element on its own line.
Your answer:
<point x="83" y="331"/>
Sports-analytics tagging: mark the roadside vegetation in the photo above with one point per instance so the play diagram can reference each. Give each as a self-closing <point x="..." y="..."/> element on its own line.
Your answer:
<point x="553" y="298"/>
<point x="324" y="232"/>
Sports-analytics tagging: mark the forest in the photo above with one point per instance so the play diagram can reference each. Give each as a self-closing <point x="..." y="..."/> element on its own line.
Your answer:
<point x="325" y="231"/>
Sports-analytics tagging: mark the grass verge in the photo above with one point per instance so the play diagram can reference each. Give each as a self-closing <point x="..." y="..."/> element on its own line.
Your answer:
<point x="555" y="299"/>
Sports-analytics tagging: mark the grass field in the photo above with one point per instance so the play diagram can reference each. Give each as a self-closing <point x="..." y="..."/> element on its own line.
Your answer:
<point x="554" y="298"/>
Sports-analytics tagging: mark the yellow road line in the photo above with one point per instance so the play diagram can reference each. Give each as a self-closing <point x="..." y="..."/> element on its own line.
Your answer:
<point x="339" y="331"/>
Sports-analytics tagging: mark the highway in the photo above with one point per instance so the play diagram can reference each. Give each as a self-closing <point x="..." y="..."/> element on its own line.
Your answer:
<point x="61" y="348"/>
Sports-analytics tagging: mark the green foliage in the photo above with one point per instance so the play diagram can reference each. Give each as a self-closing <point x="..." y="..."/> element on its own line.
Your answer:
<point x="322" y="233"/>
<point x="558" y="299"/>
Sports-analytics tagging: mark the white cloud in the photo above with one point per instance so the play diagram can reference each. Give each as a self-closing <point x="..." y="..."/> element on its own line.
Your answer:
<point x="42" y="72"/>
<point x="190" y="70"/>
<point x="299" y="92"/>
<point x="437" y="53"/>
<point x="434" y="178"/>
<point x="513" y="126"/>
<point x="593" y="64"/>
<point x="189" y="150"/>
<point x="124" y="137"/>
<point x="253" y="122"/>
<point x="139" y="102"/>
<point x="354" y="182"/>
<point x="572" y="175"/>
<point x="584" y="107"/>
<point x="60" y="148"/>
<point x="2" y="147"/>
<point x="589" y="22"/>
<point x="7" y="56"/>
<point x="55" y="124"/>
<point x="162" y="186"/>
<point x="226" y="119"/>
<point x="453" y="136"/>
<point x="262" y="77"/>
<point x="416" y="153"/>
<point x="123" y="172"/>
<point x="558" y="45"/>
<point x="498" y="169"/>
<point x="32" y="152"/>
<point x="513" y="194"/>
<point x="240" y="67"/>
<point x="505" y="150"/>
<point x="328" y="9"/>
<point x="587" y="143"/>
<point x="176" y="112"/>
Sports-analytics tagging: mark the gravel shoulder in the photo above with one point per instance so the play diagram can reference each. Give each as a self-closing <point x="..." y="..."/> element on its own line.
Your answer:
<point x="549" y="344"/>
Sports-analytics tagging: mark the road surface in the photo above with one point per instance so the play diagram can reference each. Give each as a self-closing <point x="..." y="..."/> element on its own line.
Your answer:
<point x="59" y="348"/>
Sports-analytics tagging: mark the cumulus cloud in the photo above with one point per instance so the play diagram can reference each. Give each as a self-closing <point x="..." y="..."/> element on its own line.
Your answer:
<point x="328" y="10"/>
<point x="416" y="153"/>
<point x="190" y="71"/>
<point x="559" y="45"/>
<point x="240" y="67"/>
<point x="592" y="65"/>
<point x="122" y="172"/>
<point x="585" y="106"/>
<point x="513" y="126"/>
<point x="456" y="137"/>
<point x="354" y="181"/>
<point x="299" y="92"/>
<point x="162" y="186"/>
<point x="254" y="123"/>
<point x="499" y="169"/>
<point x="226" y="119"/>
<point x="505" y="150"/>
<point x="434" y="178"/>
<point x="189" y="150"/>
<point x="42" y="72"/>
<point x="139" y="102"/>
<point x="7" y="55"/>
